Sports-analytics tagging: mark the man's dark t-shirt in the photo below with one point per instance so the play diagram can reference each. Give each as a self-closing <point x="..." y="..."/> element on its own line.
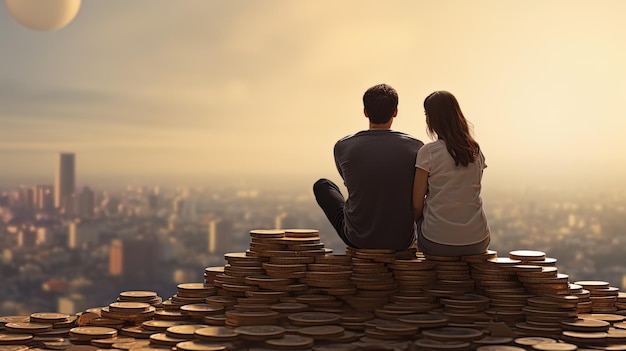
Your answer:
<point x="378" y="166"/>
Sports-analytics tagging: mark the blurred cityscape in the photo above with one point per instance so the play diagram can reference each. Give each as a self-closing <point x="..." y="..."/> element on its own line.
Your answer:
<point x="66" y="249"/>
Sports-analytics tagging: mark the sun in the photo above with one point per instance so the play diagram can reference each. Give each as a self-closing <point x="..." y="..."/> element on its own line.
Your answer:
<point x="43" y="15"/>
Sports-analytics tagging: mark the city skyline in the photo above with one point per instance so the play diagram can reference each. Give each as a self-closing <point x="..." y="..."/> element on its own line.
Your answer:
<point x="198" y="89"/>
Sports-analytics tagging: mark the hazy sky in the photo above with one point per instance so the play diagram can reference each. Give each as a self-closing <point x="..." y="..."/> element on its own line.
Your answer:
<point x="201" y="87"/>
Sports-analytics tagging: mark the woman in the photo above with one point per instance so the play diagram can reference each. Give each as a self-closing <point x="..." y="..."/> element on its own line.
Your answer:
<point x="446" y="188"/>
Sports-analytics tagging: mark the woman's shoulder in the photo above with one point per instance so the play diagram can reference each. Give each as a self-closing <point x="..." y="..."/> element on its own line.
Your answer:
<point x="435" y="145"/>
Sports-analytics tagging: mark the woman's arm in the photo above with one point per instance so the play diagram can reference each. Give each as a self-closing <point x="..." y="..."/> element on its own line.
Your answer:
<point x="420" y="187"/>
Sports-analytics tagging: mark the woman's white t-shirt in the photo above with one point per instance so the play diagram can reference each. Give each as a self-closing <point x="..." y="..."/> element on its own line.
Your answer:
<point x="453" y="211"/>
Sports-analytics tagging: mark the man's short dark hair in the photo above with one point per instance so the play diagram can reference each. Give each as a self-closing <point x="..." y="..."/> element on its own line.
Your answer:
<point x="380" y="102"/>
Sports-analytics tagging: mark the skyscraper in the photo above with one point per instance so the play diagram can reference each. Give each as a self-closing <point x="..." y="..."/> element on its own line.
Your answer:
<point x="64" y="182"/>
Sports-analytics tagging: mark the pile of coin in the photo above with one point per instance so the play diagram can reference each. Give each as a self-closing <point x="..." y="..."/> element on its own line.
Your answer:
<point x="602" y="296"/>
<point x="288" y="292"/>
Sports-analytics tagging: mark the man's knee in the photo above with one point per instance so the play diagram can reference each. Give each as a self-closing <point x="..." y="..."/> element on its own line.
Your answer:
<point x="320" y="184"/>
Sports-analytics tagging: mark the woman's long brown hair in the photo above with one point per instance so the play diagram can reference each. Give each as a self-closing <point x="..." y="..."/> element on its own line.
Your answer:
<point x="445" y="120"/>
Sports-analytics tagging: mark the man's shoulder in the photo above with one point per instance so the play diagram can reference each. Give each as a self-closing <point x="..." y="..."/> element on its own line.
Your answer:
<point x="390" y="134"/>
<point x="407" y="136"/>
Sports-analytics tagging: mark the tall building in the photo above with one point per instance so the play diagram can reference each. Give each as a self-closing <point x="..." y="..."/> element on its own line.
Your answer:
<point x="44" y="197"/>
<point x="85" y="203"/>
<point x="65" y="182"/>
<point x="116" y="263"/>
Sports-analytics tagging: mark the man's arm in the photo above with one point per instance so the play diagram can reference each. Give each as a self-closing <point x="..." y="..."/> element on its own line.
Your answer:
<point x="336" y="154"/>
<point x="420" y="187"/>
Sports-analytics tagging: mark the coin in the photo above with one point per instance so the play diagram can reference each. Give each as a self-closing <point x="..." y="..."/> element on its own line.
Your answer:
<point x="313" y="318"/>
<point x="27" y="327"/>
<point x="291" y="342"/>
<point x="14" y="338"/>
<point x="90" y="333"/>
<point x="107" y="343"/>
<point x="216" y="334"/>
<point x="184" y="331"/>
<point x="260" y="332"/>
<point x="137" y="295"/>
<point x="527" y="255"/>
<point x="166" y="340"/>
<point x="199" y="346"/>
<point x="129" y="307"/>
<point x="453" y="334"/>
<point x="48" y="317"/>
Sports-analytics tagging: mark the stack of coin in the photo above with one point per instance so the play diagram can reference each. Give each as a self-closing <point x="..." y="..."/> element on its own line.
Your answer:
<point x="216" y="334"/>
<point x="453" y="278"/>
<point x="290" y="342"/>
<point x="84" y="335"/>
<point x="620" y="302"/>
<point x="328" y="333"/>
<point x="455" y="337"/>
<point x="211" y="273"/>
<point x="425" y="320"/>
<point x="27" y="328"/>
<point x="320" y="303"/>
<point x="493" y="275"/>
<point x="331" y="277"/>
<point x="495" y="280"/>
<point x="61" y="323"/>
<point x="289" y="243"/>
<point x="584" y="303"/>
<point x="544" y="316"/>
<point x="135" y="312"/>
<point x="390" y="330"/>
<point x="149" y="297"/>
<point x="232" y="281"/>
<point x="333" y="262"/>
<point x="542" y="281"/>
<point x="240" y="265"/>
<point x="241" y="318"/>
<point x="355" y="320"/>
<point x="260" y="332"/>
<point x="189" y="293"/>
<point x="93" y="317"/>
<point x="466" y="309"/>
<point x="602" y="296"/>
<point x="175" y="334"/>
<point x="372" y="278"/>
<point x="413" y="275"/>
<point x="198" y="311"/>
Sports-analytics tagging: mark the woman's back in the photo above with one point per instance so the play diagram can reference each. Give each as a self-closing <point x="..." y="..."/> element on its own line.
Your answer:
<point x="453" y="213"/>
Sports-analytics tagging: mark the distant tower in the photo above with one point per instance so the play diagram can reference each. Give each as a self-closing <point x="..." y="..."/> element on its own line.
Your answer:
<point x="116" y="263"/>
<point x="64" y="182"/>
<point x="86" y="203"/>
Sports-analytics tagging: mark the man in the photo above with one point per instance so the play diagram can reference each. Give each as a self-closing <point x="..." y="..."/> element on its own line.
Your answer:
<point x="377" y="166"/>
